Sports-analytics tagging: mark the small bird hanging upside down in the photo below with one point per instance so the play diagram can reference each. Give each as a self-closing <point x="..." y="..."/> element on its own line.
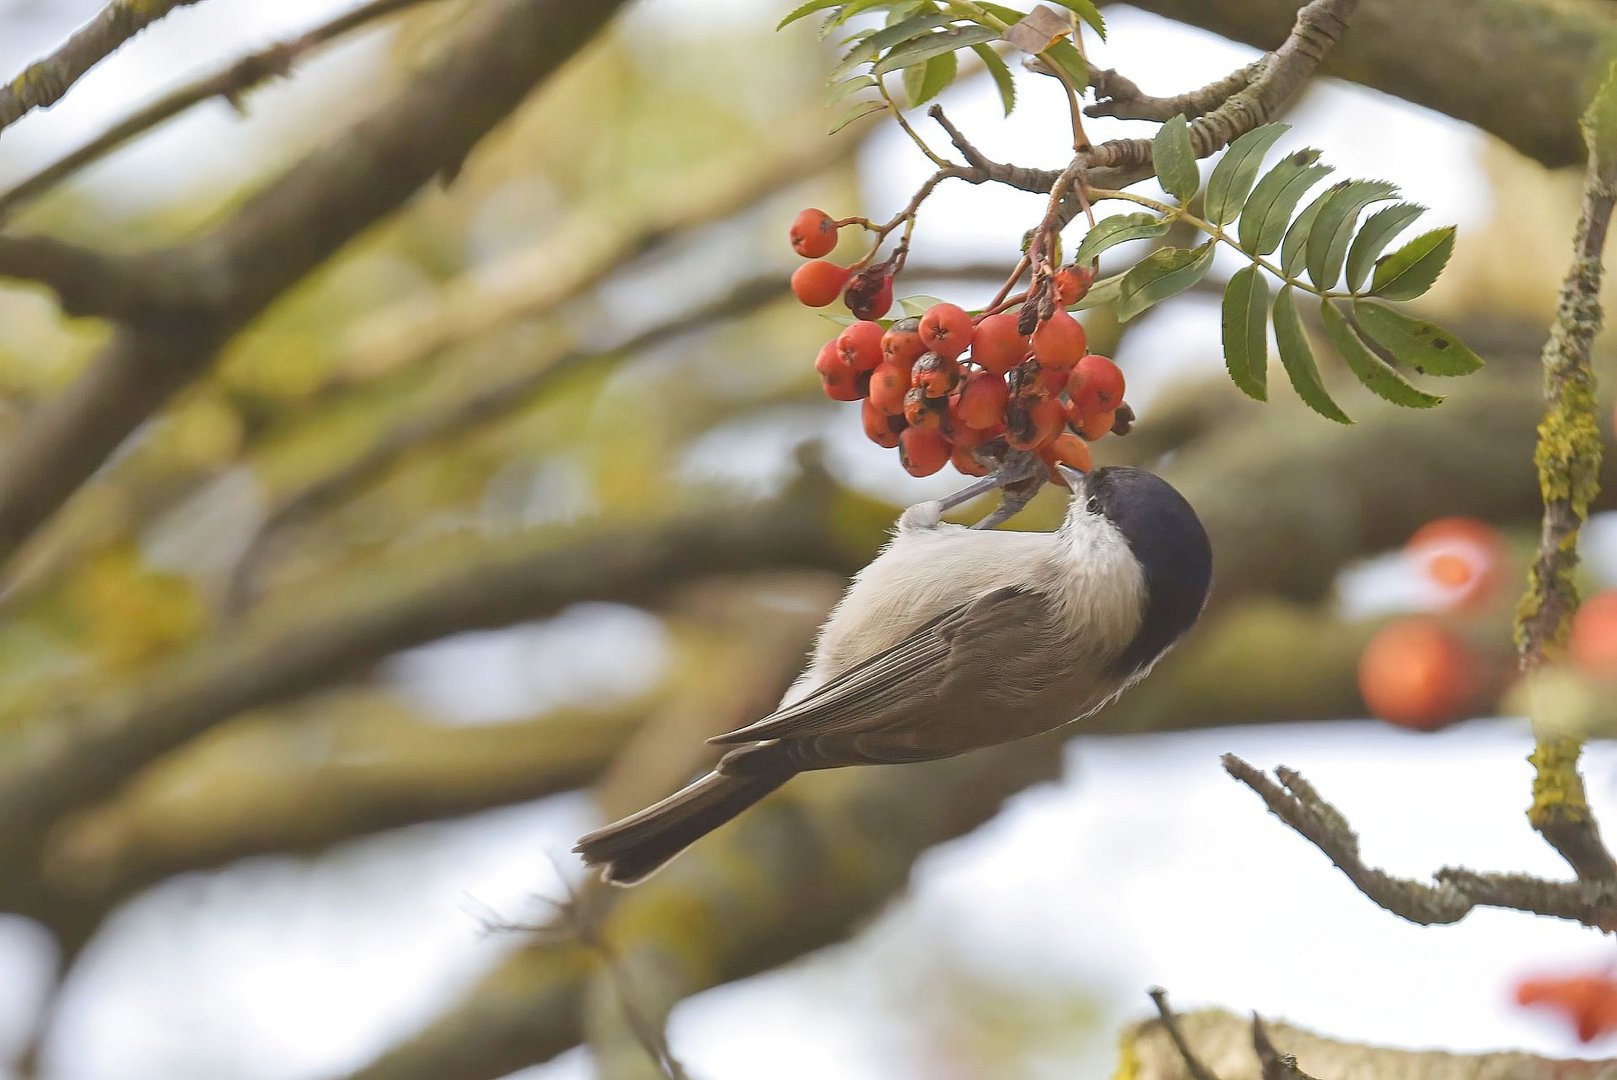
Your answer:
<point x="955" y="639"/>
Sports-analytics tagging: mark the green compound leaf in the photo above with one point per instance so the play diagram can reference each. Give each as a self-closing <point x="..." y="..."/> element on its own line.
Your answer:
<point x="1246" y="332"/>
<point x="1231" y="181"/>
<point x="1175" y="160"/>
<point x="1118" y="229"/>
<point x="1379" y="229"/>
<point x="1003" y="82"/>
<point x="1424" y="346"/>
<point x="1161" y="274"/>
<point x="1328" y="243"/>
<point x="1297" y="356"/>
<point x="1375" y="373"/>
<point x="1268" y="210"/>
<point x="1410" y="271"/>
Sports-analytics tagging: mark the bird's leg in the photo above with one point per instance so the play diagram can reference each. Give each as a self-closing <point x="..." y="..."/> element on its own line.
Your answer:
<point x="1019" y="477"/>
<point x="1014" y="469"/>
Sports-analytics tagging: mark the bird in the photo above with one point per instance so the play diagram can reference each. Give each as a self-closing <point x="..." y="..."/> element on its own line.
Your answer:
<point x="953" y="639"/>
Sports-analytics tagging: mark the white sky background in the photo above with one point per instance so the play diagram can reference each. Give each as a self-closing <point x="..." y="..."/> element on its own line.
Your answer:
<point x="1147" y="866"/>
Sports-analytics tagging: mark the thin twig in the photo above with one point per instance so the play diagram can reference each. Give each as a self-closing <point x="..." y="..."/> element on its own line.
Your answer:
<point x="1276" y="1064"/>
<point x="44" y="82"/>
<point x="230" y="83"/>
<point x="1170" y="1023"/>
<point x="1568" y="460"/>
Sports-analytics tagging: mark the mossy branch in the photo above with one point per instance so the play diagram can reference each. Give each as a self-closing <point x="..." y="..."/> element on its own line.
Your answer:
<point x="1568" y="463"/>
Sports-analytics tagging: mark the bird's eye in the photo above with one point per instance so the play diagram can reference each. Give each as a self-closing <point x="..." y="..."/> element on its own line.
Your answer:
<point x="1093" y="505"/>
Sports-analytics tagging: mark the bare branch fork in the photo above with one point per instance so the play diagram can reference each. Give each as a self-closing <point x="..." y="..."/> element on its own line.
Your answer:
<point x="1568" y="459"/>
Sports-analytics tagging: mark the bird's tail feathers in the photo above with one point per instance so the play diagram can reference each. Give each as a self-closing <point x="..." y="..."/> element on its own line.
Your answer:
<point x="632" y="849"/>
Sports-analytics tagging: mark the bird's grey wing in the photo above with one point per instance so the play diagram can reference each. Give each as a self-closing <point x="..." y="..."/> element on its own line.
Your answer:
<point x="999" y="645"/>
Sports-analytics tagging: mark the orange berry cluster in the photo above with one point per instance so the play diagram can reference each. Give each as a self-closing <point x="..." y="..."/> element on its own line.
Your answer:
<point x="946" y="385"/>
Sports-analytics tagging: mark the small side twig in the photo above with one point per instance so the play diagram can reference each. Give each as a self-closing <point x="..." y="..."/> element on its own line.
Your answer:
<point x="1276" y="1064"/>
<point x="1170" y="1024"/>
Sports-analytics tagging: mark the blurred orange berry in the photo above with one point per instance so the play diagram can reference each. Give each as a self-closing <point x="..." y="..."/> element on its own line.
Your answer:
<point x="1594" y="635"/>
<point x="1588" y="1001"/>
<point x="1463" y="555"/>
<point x="1417" y="673"/>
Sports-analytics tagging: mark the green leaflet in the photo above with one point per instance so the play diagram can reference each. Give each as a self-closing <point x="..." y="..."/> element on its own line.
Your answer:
<point x="1245" y="322"/>
<point x="905" y="29"/>
<point x="1381" y="379"/>
<point x="1003" y="82"/>
<point x="805" y="9"/>
<point x="1410" y="271"/>
<point x="1424" y="346"/>
<point x="1161" y="274"/>
<point x="1175" y="160"/>
<point x="1268" y="210"/>
<point x="933" y="43"/>
<point x="1231" y="180"/>
<point x="923" y="82"/>
<point x="1065" y="55"/>
<point x="1295" y="245"/>
<point x="848" y="86"/>
<point x="1328" y="242"/>
<point x="1086" y="11"/>
<point x="862" y="109"/>
<point x="1104" y="291"/>
<point x="1379" y="229"/>
<point x="1118" y="229"/>
<point x="1297" y="356"/>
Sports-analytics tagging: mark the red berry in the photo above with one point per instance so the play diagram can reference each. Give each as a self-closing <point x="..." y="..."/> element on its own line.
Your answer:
<point x="840" y="382"/>
<point x="1096" y="385"/>
<point x="888" y="385"/>
<point x="923" y="451"/>
<point x="935" y="375"/>
<point x="1059" y="341"/>
<point x="1072" y="284"/>
<point x="1097" y="425"/>
<point x="965" y="462"/>
<point x="1032" y="423"/>
<point x="996" y="345"/>
<point x="901" y="345"/>
<point x="971" y="438"/>
<point x="946" y="330"/>
<point x="813" y="234"/>
<point x="1069" y="450"/>
<point x="1416" y="673"/>
<point x="860" y="345"/>
<point x="982" y="400"/>
<point x="870" y="293"/>
<point x="1594" y="635"/>
<point x="880" y="428"/>
<point x="816" y="284"/>
<point x="924" y="412"/>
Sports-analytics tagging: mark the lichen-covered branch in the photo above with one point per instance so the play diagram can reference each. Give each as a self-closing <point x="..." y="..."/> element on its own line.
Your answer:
<point x="42" y="83"/>
<point x="1568" y="461"/>
<point x="1117" y="95"/>
<point x="1225" y="1042"/>
<point x="231" y="83"/>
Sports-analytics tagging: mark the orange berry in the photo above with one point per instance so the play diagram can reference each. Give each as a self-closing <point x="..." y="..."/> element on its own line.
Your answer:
<point x="880" y="428"/>
<point x="1463" y="555"/>
<point x="923" y="451"/>
<point x="947" y="330"/>
<point x="1594" y="635"/>
<point x="1418" y="674"/>
<point x="936" y="375"/>
<point x="922" y="411"/>
<point x="818" y="283"/>
<point x="1069" y="450"/>
<point x="1033" y="422"/>
<point x="965" y="462"/>
<point x="813" y="234"/>
<point x="901" y="345"/>
<point x="1096" y="385"/>
<point x="1051" y="382"/>
<point x="996" y="345"/>
<point x="840" y="382"/>
<point x="860" y="345"/>
<point x="982" y="400"/>
<point x="1072" y="284"/>
<point x="1059" y="341"/>
<point x="888" y="385"/>
<point x="1096" y="425"/>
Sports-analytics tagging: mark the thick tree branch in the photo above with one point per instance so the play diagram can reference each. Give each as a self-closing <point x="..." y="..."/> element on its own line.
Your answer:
<point x="232" y="83"/>
<point x="44" y="82"/>
<point x="1117" y="95"/>
<point x="1431" y="53"/>
<point x="505" y="48"/>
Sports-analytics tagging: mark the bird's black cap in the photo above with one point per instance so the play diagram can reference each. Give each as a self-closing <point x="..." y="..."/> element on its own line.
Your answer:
<point x="1168" y="540"/>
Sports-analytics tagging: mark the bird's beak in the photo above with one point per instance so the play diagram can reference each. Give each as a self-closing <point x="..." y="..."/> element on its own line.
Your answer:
<point x="1074" y="478"/>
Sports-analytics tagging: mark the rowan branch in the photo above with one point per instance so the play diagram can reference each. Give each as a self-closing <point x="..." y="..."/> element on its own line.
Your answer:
<point x="1116" y="95"/>
<point x="44" y="82"/>
<point x="232" y="83"/>
<point x="1568" y="460"/>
